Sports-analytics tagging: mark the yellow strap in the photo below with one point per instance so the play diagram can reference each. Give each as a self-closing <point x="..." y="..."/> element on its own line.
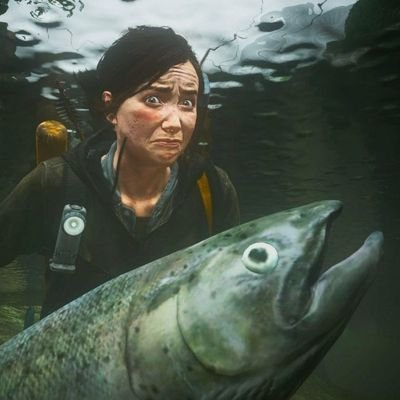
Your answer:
<point x="205" y="193"/>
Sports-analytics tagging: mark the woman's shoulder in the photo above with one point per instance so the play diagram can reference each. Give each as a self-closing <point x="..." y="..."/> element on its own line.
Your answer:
<point x="225" y="198"/>
<point x="223" y="176"/>
<point x="52" y="171"/>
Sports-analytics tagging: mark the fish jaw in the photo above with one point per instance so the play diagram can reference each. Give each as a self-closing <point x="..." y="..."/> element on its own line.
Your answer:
<point x="339" y="290"/>
<point x="300" y="268"/>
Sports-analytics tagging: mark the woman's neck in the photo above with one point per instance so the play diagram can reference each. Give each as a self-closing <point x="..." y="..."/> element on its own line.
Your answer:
<point x="142" y="182"/>
<point x="140" y="186"/>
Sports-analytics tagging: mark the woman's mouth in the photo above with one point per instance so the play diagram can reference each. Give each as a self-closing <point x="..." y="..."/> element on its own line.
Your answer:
<point x="168" y="143"/>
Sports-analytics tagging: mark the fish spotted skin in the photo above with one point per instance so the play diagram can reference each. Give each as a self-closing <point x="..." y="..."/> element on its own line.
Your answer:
<point x="244" y="315"/>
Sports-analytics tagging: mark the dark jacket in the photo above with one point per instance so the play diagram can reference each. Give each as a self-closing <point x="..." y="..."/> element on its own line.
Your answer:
<point x="30" y="218"/>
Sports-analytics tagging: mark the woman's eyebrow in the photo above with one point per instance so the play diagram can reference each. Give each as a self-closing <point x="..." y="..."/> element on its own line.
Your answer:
<point x="168" y="89"/>
<point x="160" y="88"/>
<point x="190" y="92"/>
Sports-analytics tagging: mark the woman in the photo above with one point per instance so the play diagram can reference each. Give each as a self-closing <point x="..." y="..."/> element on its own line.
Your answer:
<point x="139" y="185"/>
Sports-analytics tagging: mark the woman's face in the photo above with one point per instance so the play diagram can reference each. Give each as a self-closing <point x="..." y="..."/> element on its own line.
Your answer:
<point x="158" y="122"/>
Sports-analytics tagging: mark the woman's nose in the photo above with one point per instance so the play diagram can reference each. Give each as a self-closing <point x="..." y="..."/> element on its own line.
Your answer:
<point x="171" y="122"/>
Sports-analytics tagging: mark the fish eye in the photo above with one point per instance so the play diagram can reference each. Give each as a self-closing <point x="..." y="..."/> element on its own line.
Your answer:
<point x="260" y="257"/>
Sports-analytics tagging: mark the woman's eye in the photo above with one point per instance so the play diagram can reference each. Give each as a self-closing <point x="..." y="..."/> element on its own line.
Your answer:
<point x="188" y="103"/>
<point x="152" y="100"/>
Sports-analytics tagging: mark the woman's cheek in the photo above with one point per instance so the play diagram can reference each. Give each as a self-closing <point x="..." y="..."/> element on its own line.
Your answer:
<point x="146" y="115"/>
<point x="191" y="123"/>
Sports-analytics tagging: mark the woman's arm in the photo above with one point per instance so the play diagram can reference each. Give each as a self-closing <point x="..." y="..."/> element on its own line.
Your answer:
<point x="21" y="218"/>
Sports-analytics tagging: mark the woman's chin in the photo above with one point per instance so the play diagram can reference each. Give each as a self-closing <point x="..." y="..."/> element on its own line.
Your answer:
<point x="167" y="158"/>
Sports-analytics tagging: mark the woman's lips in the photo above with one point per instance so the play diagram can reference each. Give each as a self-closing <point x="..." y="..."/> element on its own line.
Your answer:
<point x="168" y="143"/>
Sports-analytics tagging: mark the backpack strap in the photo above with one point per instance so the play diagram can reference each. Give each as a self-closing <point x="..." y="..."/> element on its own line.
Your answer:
<point x="205" y="193"/>
<point x="74" y="189"/>
<point x="211" y="193"/>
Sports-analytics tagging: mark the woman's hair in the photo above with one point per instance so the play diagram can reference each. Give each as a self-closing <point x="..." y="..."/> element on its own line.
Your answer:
<point x="140" y="57"/>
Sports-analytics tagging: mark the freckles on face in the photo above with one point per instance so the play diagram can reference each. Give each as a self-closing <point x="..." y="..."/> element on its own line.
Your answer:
<point x="158" y="121"/>
<point x="145" y="115"/>
<point x="133" y="120"/>
<point x="136" y="122"/>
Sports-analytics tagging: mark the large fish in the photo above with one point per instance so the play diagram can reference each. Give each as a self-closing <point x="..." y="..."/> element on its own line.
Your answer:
<point x="242" y="315"/>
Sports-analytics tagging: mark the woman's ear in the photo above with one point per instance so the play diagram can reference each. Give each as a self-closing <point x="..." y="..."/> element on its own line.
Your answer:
<point x="107" y="100"/>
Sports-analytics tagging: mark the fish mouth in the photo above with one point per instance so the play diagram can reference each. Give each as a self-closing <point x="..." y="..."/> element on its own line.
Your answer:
<point x="340" y="288"/>
<point x="308" y="298"/>
<point x="334" y="298"/>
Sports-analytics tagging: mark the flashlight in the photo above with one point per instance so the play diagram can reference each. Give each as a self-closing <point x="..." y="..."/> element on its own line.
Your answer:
<point x="72" y="225"/>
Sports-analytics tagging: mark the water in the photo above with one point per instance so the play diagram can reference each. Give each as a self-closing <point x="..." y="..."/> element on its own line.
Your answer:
<point x="305" y="106"/>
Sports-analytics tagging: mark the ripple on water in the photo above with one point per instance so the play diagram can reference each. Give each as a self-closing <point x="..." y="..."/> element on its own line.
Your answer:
<point x="25" y="38"/>
<point x="46" y="16"/>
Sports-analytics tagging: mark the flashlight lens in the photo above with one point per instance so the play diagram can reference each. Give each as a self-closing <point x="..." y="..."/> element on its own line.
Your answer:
<point x="74" y="226"/>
